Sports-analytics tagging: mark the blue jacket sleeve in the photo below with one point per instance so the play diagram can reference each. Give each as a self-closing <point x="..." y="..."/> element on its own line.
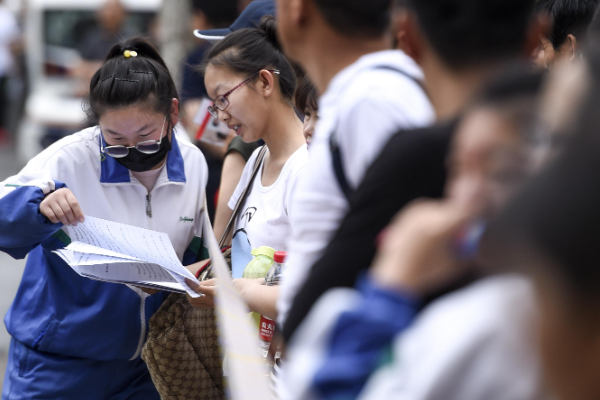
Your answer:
<point x="22" y="225"/>
<point x="360" y="339"/>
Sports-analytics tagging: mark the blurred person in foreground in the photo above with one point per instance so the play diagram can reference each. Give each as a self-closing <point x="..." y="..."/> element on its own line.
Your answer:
<point x="570" y="22"/>
<point x="458" y="52"/>
<point x="551" y="231"/>
<point x="368" y="92"/>
<point x="475" y="343"/>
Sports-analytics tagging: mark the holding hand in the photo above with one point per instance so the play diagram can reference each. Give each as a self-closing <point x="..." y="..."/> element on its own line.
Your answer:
<point x="416" y="254"/>
<point x="62" y="206"/>
<point x="208" y="289"/>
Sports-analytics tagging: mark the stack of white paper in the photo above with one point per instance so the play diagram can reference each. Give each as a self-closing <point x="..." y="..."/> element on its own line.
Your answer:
<point x="119" y="253"/>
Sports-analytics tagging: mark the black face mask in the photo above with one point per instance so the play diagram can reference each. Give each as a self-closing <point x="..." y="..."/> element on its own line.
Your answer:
<point x="137" y="161"/>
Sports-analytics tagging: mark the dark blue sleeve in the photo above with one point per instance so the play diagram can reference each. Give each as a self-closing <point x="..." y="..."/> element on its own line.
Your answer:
<point x="360" y="339"/>
<point x="22" y="225"/>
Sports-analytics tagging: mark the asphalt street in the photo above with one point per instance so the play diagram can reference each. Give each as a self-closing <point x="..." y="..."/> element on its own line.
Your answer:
<point x="10" y="270"/>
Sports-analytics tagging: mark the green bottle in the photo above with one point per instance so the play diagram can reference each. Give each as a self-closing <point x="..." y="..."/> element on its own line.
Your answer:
<point x="258" y="268"/>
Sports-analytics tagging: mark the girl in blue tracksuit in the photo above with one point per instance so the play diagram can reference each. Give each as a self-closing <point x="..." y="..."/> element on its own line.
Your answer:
<point x="72" y="337"/>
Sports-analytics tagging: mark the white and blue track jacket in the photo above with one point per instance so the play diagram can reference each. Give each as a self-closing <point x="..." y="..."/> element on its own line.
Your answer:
<point x="55" y="309"/>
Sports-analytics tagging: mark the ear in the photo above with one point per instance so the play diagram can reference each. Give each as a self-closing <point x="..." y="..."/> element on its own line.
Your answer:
<point x="298" y="11"/>
<point x="174" y="114"/>
<point x="540" y="27"/>
<point x="573" y="47"/>
<point x="410" y="38"/>
<point x="400" y="32"/>
<point x="266" y="83"/>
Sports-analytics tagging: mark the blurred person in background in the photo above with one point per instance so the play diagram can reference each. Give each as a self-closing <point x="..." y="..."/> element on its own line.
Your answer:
<point x="207" y="15"/>
<point x="368" y="92"/>
<point x="73" y="337"/>
<point x="570" y="22"/>
<point x="307" y="103"/>
<point x="474" y="343"/>
<point x="98" y="40"/>
<point x="458" y="52"/>
<point x="9" y="35"/>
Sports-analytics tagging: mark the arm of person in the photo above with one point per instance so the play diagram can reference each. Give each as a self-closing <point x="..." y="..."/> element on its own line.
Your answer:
<point x="414" y="259"/>
<point x="260" y="298"/>
<point x="233" y="167"/>
<point x="33" y="206"/>
<point x="412" y="165"/>
<point x="360" y="337"/>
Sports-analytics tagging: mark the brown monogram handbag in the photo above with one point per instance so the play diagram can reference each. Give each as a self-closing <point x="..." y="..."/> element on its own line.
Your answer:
<point x="182" y="351"/>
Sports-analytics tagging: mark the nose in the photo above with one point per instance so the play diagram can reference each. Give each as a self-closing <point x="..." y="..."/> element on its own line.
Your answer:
<point x="223" y="115"/>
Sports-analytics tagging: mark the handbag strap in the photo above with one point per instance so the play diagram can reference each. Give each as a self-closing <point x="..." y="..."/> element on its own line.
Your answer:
<point x="244" y="195"/>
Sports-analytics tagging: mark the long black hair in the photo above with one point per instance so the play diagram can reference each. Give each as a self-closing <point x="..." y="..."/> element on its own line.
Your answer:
<point x="126" y="81"/>
<point x="247" y="51"/>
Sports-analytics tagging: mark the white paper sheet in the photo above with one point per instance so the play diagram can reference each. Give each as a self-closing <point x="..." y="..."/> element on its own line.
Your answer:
<point x="81" y="247"/>
<point x="111" y="251"/>
<point x="143" y="244"/>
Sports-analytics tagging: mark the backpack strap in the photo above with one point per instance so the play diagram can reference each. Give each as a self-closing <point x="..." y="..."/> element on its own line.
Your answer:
<point x="334" y="147"/>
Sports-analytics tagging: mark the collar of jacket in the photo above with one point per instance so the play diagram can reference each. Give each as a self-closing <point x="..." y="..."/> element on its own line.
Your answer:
<point x="113" y="172"/>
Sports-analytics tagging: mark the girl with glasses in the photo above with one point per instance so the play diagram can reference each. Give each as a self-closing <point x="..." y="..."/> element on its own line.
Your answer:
<point x="74" y="337"/>
<point x="252" y="85"/>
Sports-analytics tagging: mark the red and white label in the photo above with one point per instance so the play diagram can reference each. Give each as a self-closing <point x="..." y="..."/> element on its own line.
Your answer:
<point x="266" y="329"/>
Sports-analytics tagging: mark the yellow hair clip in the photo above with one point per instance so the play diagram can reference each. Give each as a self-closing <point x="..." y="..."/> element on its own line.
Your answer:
<point x="130" y="53"/>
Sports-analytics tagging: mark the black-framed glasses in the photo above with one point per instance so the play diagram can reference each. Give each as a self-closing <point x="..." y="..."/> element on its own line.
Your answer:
<point x="222" y="101"/>
<point x="146" y="147"/>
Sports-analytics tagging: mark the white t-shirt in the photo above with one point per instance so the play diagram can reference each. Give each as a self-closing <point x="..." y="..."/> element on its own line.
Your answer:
<point x="264" y="219"/>
<point x="365" y="104"/>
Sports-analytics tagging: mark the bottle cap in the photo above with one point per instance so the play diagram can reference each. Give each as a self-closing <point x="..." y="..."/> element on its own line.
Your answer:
<point x="280" y="256"/>
<point x="264" y="251"/>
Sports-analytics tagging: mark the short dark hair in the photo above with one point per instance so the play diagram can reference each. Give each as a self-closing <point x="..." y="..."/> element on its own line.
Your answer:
<point x="306" y="95"/>
<point x="544" y="6"/>
<point x="221" y="13"/>
<point x="571" y="17"/>
<point x="511" y="83"/>
<point x="465" y="33"/>
<point x="513" y="94"/>
<point x="126" y="81"/>
<point x="247" y="51"/>
<point x="357" y="18"/>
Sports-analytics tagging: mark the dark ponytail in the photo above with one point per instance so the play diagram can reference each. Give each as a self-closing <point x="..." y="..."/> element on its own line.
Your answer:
<point x="247" y="51"/>
<point x="126" y="81"/>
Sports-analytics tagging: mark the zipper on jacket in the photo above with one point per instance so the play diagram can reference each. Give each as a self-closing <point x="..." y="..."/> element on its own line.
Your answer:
<point x="149" y="205"/>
